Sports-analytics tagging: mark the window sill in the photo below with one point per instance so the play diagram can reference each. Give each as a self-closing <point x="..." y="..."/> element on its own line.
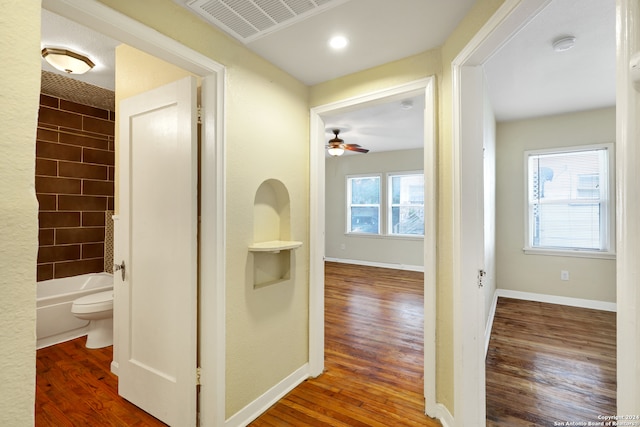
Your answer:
<point x="385" y="236"/>
<point x="570" y="253"/>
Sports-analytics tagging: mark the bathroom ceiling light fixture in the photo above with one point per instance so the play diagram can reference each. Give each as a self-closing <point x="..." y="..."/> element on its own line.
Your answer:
<point x="563" y="43"/>
<point x="67" y="61"/>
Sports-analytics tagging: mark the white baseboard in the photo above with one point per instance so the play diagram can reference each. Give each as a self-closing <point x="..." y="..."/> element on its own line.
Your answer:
<point x="419" y="268"/>
<point x="553" y="299"/>
<point x="114" y="367"/>
<point x="443" y="414"/>
<point x="487" y="330"/>
<point x="254" y="409"/>
<point x="62" y="337"/>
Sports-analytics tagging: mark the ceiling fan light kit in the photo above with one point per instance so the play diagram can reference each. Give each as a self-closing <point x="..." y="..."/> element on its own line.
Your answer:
<point x="336" y="146"/>
<point x="335" y="151"/>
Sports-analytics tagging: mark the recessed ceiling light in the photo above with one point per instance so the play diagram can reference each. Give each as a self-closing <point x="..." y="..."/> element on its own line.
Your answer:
<point x="563" y="43"/>
<point x="338" y="42"/>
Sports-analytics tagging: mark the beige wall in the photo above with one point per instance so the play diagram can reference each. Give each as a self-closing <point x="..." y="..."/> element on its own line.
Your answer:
<point x="19" y="94"/>
<point x="267" y="328"/>
<point x="590" y="278"/>
<point x="386" y="250"/>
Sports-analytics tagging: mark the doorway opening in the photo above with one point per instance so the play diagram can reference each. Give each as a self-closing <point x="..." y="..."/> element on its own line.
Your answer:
<point x="425" y="88"/>
<point x="469" y="99"/>
<point x="575" y="110"/>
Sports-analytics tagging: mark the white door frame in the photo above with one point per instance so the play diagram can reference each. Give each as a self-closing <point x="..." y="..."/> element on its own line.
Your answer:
<point x="101" y="18"/>
<point x="627" y="212"/>
<point x="468" y="322"/>
<point x="317" y="228"/>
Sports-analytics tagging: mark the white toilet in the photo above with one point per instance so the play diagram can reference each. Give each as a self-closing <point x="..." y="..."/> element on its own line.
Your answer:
<point x="98" y="309"/>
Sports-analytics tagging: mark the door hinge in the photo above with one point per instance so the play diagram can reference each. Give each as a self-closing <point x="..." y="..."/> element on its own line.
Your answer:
<point x="481" y="275"/>
<point x="199" y="114"/>
<point x="198" y="375"/>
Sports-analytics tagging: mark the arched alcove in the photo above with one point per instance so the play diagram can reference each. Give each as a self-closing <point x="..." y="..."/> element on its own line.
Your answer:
<point x="271" y="234"/>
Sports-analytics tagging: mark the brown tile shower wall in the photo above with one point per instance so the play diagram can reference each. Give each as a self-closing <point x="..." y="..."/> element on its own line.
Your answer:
<point x="74" y="185"/>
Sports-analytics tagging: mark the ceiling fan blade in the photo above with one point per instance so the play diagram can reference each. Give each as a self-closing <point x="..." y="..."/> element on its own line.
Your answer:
<point x="357" y="149"/>
<point x="352" y="145"/>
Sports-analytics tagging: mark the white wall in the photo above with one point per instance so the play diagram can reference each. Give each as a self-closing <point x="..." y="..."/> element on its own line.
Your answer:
<point x="399" y="251"/>
<point x="590" y="278"/>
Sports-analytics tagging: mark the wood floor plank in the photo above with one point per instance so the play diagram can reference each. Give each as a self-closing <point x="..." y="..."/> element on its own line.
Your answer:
<point x="75" y="387"/>
<point x="374" y="360"/>
<point x="549" y="363"/>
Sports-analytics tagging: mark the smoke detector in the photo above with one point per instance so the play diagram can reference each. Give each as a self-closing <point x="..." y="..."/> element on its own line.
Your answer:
<point x="563" y="43"/>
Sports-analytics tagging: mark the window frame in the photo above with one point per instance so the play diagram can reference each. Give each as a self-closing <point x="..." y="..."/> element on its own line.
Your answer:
<point x="349" y="204"/>
<point x="390" y="205"/>
<point x="606" y="202"/>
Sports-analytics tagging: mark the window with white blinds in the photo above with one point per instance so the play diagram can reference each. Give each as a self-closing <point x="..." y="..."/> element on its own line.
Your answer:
<point x="569" y="199"/>
<point x="406" y="204"/>
<point x="363" y="204"/>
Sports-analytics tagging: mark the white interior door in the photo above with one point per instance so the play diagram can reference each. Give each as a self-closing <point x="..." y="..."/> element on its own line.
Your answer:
<point x="157" y="299"/>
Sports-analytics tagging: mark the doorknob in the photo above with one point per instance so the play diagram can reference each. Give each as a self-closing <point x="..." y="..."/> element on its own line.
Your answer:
<point x="120" y="267"/>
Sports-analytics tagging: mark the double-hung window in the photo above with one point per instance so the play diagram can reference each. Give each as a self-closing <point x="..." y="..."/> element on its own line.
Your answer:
<point x="393" y="206"/>
<point x="406" y="204"/>
<point x="363" y="204"/>
<point x="569" y="200"/>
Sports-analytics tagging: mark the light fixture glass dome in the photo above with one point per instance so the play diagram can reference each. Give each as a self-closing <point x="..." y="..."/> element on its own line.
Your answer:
<point x="335" y="151"/>
<point x="67" y="61"/>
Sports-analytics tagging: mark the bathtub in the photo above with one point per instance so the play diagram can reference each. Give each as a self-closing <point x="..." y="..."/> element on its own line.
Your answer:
<point x="54" y="321"/>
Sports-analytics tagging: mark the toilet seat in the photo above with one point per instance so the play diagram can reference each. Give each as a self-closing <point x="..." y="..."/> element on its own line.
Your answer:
<point x="94" y="303"/>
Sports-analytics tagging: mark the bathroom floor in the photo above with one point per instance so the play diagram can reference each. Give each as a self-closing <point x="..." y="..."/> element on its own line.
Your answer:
<point x="75" y="387"/>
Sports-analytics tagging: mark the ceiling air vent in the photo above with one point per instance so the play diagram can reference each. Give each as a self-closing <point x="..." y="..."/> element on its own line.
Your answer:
<point x="248" y="20"/>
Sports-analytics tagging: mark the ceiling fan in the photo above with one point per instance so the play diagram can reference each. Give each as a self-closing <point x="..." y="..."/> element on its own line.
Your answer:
<point x="337" y="146"/>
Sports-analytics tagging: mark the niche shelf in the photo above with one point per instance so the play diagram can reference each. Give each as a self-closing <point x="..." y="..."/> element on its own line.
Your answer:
<point x="272" y="247"/>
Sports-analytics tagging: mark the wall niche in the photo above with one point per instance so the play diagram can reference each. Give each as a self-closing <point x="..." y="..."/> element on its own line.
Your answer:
<point x="272" y="234"/>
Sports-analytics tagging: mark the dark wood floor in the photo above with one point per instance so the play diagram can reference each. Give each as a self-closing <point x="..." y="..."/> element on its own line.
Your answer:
<point x="75" y="387"/>
<point x="373" y="355"/>
<point x="549" y="364"/>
